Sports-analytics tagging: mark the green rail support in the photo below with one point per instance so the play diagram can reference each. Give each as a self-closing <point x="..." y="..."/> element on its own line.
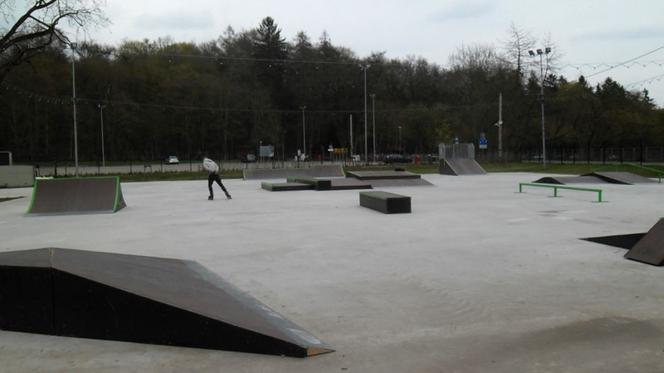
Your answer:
<point x="555" y="188"/>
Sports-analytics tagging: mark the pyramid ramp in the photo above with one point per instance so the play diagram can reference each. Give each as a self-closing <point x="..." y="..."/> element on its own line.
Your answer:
<point x="564" y="180"/>
<point x="284" y="173"/>
<point x="650" y="249"/>
<point x="139" y="299"/>
<point x="77" y="195"/>
<point x="626" y="178"/>
<point x="460" y="166"/>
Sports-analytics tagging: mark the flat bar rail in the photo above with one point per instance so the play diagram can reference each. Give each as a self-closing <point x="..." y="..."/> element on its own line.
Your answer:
<point x="556" y="187"/>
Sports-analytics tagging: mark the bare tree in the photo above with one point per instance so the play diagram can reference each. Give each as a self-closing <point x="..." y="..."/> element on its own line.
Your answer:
<point x="37" y="26"/>
<point x="516" y="47"/>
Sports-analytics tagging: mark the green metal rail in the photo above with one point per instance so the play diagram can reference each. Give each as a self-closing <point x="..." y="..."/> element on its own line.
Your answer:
<point x="555" y="188"/>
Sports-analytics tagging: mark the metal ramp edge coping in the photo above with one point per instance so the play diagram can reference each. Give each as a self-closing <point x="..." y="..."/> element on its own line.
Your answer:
<point x="118" y="203"/>
<point x="187" y="293"/>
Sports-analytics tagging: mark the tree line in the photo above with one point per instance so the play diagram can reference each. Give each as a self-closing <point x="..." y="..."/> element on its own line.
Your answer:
<point x="224" y="97"/>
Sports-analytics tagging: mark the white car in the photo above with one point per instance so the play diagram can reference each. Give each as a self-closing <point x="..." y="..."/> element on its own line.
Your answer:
<point x="172" y="159"/>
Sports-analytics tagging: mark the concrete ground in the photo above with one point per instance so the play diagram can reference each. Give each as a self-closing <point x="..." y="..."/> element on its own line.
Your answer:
<point x="478" y="278"/>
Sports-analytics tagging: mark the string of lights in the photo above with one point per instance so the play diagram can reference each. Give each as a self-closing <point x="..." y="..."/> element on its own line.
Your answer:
<point x="646" y="81"/>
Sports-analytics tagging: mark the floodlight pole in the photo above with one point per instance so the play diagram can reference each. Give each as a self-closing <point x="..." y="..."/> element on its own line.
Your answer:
<point x="101" y="120"/>
<point x="73" y="99"/>
<point x="541" y="54"/>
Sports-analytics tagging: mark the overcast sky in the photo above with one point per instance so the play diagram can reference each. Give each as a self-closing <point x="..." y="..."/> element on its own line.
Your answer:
<point x="584" y="31"/>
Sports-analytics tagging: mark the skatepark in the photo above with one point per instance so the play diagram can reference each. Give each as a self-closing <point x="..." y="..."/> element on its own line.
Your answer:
<point x="477" y="278"/>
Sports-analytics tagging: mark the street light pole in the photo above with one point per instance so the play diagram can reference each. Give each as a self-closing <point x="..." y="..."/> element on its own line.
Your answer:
<point x="351" y="138"/>
<point x="73" y="99"/>
<point x="541" y="54"/>
<point x="304" y="134"/>
<point x="373" y="125"/>
<point x="366" y="143"/>
<point x="101" y="119"/>
<point x="499" y="124"/>
<point x="400" y="149"/>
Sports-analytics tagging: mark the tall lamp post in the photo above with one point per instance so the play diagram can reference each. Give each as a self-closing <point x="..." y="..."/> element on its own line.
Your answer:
<point x="373" y="124"/>
<point x="365" y="67"/>
<point x="304" y="134"/>
<point x="73" y="100"/>
<point x="101" y="120"/>
<point x="400" y="150"/>
<point x="541" y="54"/>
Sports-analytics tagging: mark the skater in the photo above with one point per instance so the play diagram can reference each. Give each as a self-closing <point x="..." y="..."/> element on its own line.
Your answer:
<point x="213" y="175"/>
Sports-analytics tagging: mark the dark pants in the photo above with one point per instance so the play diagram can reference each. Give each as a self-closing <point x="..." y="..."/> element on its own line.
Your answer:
<point x="212" y="178"/>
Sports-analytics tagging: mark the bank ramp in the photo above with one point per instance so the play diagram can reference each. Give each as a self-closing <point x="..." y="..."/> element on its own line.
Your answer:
<point x="460" y="166"/>
<point x="77" y="195"/>
<point x="626" y="178"/>
<point x="140" y="299"/>
<point x="643" y="247"/>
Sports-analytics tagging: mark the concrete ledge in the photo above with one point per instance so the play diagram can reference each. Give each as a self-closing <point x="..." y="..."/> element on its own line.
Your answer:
<point x="318" y="184"/>
<point x="387" y="203"/>
<point x="284" y="187"/>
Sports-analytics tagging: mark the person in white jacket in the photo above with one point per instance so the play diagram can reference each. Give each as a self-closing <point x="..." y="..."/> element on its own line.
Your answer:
<point x="213" y="175"/>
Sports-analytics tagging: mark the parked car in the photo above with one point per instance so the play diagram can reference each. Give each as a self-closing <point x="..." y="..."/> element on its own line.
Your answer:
<point x="397" y="158"/>
<point x="171" y="159"/>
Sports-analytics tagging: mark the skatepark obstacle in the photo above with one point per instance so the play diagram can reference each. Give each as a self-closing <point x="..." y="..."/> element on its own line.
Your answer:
<point x="140" y="299"/>
<point x="458" y="159"/>
<point x="650" y="248"/>
<point x="77" y="195"/>
<point x="643" y="247"/>
<point x="385" y="202"/>
<point x="556" y="187"/>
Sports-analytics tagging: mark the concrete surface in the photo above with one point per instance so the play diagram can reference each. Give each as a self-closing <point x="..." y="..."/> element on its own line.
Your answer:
<point x="478" y="278"/>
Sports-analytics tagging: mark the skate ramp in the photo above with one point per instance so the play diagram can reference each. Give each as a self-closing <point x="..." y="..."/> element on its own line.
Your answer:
<point x="460" y="166"/>
<point x="77" y="195"/>
<point x="626" y="178"/>
<point x="284" y="173"/>
<point x="650" y="249"/>
<point x="623" y="241"/>
<point x="140" y="299"/>
<point x="564" y="180"/>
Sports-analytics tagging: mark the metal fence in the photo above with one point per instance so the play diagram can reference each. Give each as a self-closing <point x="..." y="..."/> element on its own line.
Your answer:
<point x="634" y="154"/>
